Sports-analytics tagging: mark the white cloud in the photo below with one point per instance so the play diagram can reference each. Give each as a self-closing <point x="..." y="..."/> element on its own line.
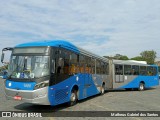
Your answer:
<point x="105" y="27"/>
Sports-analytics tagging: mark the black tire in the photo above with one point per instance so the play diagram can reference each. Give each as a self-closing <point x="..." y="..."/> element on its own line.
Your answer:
<point x="103" y="89"/>
<point x="141" y="87"/>
<point x="73" y="98"/>
<point x="128" y="89"/>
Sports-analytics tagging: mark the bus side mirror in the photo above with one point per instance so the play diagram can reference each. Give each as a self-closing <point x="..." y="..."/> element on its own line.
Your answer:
<point x="5" y="49"/>
<point x="2" y="57"/>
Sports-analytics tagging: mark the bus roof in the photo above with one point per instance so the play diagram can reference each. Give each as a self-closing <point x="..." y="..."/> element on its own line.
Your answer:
<point x="46" y="43"/>
<point x="60" y="43"/>
<point x="130" y="62"/>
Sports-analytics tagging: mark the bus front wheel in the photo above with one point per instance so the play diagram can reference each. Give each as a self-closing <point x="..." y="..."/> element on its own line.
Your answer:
<point x="73" y="98"/>
<point x="141" y="86"/>
<point x="103" y="89"/>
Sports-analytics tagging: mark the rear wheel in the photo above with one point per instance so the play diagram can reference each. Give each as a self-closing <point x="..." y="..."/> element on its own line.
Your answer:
<point x="141" y="87"/>
<point x="102" y="89"/>
<point x="73" y="98"/>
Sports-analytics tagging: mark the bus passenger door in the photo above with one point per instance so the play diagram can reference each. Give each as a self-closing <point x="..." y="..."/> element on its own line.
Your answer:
<point x="119" y="77"/>
<point x="87" y="77"/>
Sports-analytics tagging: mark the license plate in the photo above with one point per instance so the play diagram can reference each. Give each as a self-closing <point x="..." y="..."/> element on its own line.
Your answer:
<point x="17" y="97"/>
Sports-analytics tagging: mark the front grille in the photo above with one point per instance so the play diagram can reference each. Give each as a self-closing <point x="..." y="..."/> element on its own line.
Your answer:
<point x="61" y="95"/>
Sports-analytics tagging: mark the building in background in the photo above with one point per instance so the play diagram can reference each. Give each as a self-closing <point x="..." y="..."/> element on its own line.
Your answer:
<point x="157" y="63"/>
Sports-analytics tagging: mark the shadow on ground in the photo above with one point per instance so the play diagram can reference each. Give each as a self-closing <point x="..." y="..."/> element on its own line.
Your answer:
<point x="28" y="107"/>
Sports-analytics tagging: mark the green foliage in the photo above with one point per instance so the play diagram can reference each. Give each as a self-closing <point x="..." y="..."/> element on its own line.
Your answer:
<point x="138" y="58"/>
<point x="121" y="57"/>
<point x="124" y="58"/>
<point x="149" y="56"/>
<point x="5" y="67"/>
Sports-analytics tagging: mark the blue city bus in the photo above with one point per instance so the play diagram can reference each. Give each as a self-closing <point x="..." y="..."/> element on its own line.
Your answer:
<point x="56" y="72"/>
<point x="130" y="74"/>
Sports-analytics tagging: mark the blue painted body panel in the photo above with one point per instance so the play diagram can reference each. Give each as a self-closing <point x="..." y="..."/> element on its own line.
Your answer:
<point x="20" y="85"/>
<point x="148" y="80"/>
<point x="53" y="43"/>
<point x="4" y="76"/>
<point x="60" y="93"/>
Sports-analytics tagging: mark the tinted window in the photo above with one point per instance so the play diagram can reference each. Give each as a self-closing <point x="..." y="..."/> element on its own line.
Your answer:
<point x="107" y="68"/>
<point x="143" y="70"/>
<point x="81" y="63"/>
<point x="119" y="69"/>
<point x="154" y="71"/>
<point x="98" y="67"/>
<point x="73" y="68"/>
<point x="151" y="71"/>
<point x="127" y="70"/>
<point x="102" y="68"/>
<point x="31" y="50"/>
<point x="88" y="64"/>
<point x="135" y="70"/>
<point x="93" y="65"/>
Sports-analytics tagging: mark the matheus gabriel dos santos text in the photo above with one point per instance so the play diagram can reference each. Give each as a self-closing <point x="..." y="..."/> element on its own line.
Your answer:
<point x="136" y="114"/>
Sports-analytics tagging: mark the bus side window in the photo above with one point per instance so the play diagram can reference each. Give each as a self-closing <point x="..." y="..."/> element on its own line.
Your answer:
<point x="93" y="65"/>
<point x="88" y="64"/>
<point x="98" y="67"/>
<point x="73" y="63"/>
<point x="127" y="70"/>
<point x="81" y="63"/>
<point x="102" y="67"/>
<point x="60" y="61"/>
<point x="107" y="68"/>
<point x="151" y="71"/>
<point x="60" y="65"/>
<point x="143" y="70"/>
<point x="63" y="62"/>
<point x="154" y="71"/>
<point x="135" y="70"/>
<point x="119" y="69"/>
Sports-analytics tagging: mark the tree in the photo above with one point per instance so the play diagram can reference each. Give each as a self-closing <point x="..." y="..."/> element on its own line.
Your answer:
<point x="118" y="57"/>
<point x="121" y="57"/>
<point x="124" y="57"/>
<point x="138" y="58"/>
<point x="149" y="56"/>
<point x="2" y="68"/>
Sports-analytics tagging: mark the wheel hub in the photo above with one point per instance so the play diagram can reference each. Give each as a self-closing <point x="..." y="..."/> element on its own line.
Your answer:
<point x="73" y="97"/>
<point x="141" y="87"/>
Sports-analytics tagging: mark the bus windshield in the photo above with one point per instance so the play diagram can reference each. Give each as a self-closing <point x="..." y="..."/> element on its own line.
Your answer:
<point x="28" y="66"/>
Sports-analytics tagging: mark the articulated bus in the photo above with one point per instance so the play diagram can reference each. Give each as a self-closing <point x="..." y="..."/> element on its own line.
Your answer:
<point x="56" y="72"/>
<point x="132" y="74"/>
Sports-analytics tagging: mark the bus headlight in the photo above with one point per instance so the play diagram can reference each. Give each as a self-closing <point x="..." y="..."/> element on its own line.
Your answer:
<point x="41" y="85"/>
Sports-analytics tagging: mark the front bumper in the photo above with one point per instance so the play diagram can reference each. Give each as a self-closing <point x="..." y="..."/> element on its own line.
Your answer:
<point x="39" y="96"/>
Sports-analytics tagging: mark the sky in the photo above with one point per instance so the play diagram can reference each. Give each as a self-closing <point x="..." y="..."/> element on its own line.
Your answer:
<point x="104" y="27"/>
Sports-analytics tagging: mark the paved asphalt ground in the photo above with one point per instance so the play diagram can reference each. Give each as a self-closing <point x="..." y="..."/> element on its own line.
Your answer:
<point x="148" y="100"/>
